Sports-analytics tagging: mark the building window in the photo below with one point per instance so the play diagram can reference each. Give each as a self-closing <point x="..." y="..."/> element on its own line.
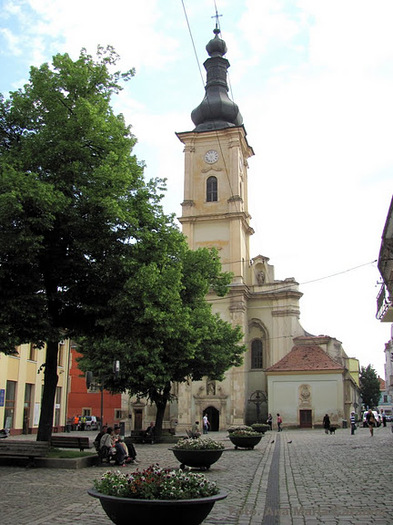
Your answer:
<point x="31" y="352"/>
<point x="256" y="354"/>
<point x="60" y="354"/>
<point x="29" y="388"/>
<point x="211" y="189"/>
<point x="10" y="397"/>
<point x="57" y="406"/>
<point x="118" y="414"/>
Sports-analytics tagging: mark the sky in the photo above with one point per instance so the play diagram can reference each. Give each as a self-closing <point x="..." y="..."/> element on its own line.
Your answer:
<point x="314" y="83"/>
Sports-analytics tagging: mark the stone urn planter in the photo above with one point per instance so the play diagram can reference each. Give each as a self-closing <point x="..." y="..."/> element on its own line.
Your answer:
<point x="129" y="511"/>
<point x="200" y="452"/>
<point x="156" y="495"/>
<point x="201" y="459"/>
<point x="245" y="441"/>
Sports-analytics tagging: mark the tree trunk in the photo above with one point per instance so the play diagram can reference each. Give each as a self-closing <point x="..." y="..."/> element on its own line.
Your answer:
<point x="49" y="393"/>
<point x="161" y="400"/>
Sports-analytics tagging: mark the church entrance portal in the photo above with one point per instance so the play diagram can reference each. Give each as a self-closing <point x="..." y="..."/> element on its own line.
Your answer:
<point x="214" y="418"/>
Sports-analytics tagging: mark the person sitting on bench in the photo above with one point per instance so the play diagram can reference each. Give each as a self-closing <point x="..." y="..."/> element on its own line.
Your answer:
<point x="150" y="433"/>
<point x="107" y="445"/>
<point x="124" y="454"/>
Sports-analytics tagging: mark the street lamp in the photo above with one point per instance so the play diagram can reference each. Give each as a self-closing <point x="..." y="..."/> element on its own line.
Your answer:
<point x="90" y="380"/>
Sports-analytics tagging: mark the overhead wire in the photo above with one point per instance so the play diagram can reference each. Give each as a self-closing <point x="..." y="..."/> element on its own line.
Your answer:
<point x="288" y="285"/>
<point x="226" y="171"/>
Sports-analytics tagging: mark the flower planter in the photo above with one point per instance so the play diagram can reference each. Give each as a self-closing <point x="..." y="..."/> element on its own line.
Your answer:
<point x="129" y="511"/>
<point x="201" y="459"/>
<point x="245" y="441"/>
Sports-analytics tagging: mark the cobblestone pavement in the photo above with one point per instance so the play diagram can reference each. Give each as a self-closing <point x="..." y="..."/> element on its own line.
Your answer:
<point x="293" y="477"/>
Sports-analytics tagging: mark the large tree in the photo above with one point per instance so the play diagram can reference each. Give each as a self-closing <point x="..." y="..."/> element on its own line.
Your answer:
<point x="165" y="332"/>
<point x="369" y="387"/>
<point x="74" y="207"/>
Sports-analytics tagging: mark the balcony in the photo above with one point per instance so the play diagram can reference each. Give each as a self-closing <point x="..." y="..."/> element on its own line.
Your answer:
<point x="384" y="306"/>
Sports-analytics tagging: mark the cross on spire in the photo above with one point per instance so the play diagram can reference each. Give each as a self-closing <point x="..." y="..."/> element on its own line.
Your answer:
<point x="216" y="17"/>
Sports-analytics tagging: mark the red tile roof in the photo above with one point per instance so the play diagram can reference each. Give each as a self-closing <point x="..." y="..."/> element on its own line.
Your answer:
<point x="305" y="358"/>
<point x="382" y="384"/>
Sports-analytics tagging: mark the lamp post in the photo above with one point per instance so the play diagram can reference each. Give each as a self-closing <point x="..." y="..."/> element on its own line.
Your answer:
<point x="90" y="380"/>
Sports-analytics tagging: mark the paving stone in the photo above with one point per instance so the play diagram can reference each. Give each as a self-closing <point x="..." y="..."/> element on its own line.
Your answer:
<point x="321" y="479"/>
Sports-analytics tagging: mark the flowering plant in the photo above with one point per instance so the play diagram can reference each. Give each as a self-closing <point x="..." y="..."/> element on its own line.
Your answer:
<point x="244" y="433"/>
<point x="237" y="428"/>
<point x="156" y="483"/>
<point x="201" y="443"/>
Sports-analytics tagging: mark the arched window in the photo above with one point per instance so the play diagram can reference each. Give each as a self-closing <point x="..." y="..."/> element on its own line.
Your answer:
<point x="211" y="189"/>
<point x="256" y="354"/>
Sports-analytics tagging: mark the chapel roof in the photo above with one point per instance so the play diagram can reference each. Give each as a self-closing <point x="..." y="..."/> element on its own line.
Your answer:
<point x="305" y="358"/>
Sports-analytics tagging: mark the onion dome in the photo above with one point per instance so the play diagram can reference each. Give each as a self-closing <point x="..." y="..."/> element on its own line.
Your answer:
<point x="217" y="110"/>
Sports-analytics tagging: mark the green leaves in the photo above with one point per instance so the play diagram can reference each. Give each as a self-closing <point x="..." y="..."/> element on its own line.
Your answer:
<point x="369" y="387"/>
<point x="71" y="199"/>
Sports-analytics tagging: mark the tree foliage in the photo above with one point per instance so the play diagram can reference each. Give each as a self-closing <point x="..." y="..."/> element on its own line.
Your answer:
<point x="369" y="387"/>
<point x="86" y="251"/>
<point x="74" y="206"/>
<point x="162" y="329"/>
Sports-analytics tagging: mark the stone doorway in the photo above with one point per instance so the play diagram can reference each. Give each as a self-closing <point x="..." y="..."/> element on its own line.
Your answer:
<point x="214" y="418"/>
<point x="305" y="418"/>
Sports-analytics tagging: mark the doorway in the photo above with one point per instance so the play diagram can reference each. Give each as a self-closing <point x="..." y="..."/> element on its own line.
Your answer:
<point x="305" y="418"/>
<point x="214" y="418"/>
<point x="138" y="419"/>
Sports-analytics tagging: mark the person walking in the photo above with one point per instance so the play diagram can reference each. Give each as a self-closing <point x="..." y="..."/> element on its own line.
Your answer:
<point x="352" y="420"/>
<point x="326" y="423"/>
<point x="370" y="421"/>
<point x="279" y="423"/>
<point x="269" y="421"/>
<point x="206" y="424"/>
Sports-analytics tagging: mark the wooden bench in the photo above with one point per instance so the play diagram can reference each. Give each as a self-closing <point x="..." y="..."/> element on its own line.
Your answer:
<point x="24" y="448"/>
<point x="70" y="442"/>
<point x="138" y="436"/>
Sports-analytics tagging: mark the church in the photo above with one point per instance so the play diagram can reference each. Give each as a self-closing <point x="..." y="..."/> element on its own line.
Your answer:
<point x="285" y="370"/>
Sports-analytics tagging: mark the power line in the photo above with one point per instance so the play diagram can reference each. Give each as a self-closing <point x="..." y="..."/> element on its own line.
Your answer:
<point x="193" y="43"/>
<point x="287" y="286"/>
<point x="338" y="273"/>
<point x="219" y="143"/>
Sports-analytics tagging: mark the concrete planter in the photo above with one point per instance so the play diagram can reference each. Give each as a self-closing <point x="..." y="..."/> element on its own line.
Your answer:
<point x="201" y="459"/>
<point x="128" y="511"/>
<point x="245" y="441"/>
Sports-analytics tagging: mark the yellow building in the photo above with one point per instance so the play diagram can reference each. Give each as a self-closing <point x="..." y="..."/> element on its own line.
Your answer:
<point x="21" y="386"/>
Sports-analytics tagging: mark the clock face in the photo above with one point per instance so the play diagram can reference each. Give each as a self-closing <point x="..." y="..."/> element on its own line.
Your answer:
<point x="211" y="156"/>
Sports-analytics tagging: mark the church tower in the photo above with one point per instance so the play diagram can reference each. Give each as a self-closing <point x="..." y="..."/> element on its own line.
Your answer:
<point x="215" y="207"/>
<point x="215" y="214"/>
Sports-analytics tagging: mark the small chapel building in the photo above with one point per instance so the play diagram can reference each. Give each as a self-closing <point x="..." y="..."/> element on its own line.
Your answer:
<point x="285" y="369"/>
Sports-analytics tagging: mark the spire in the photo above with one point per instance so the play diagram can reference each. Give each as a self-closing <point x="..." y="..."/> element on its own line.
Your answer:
<point x="217" y="110"/>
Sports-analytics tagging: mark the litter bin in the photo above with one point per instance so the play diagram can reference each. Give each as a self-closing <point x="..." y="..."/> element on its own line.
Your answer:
<point x="345" y="423"/>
